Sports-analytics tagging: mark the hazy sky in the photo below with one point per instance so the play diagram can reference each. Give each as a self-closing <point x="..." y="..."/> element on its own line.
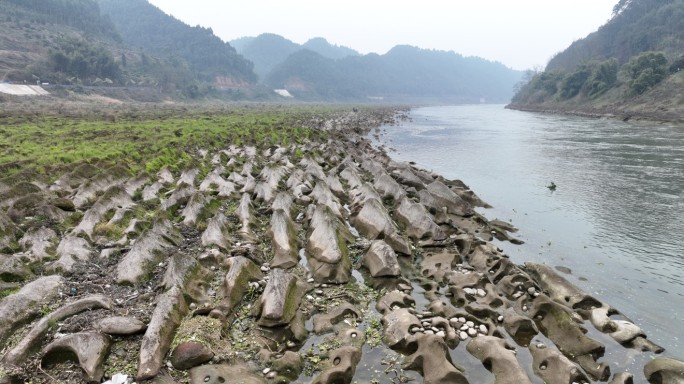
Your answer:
<point x="519" y="33"/>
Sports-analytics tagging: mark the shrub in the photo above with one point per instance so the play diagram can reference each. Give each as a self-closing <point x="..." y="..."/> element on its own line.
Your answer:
<point x="645" y="71"/>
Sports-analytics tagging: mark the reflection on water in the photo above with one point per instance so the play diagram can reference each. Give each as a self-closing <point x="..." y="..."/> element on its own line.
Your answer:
<point x="616" y="218"/>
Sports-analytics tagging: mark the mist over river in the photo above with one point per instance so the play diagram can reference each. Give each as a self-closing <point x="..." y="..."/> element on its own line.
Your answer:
<point x="616" y="219"/>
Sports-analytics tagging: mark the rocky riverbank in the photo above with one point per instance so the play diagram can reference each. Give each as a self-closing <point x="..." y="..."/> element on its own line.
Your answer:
<point x="322" y="261"/>
<point x="640" y="112"/>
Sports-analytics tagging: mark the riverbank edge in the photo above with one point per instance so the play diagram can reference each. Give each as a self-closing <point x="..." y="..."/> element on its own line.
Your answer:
<point x="623" y="115"/>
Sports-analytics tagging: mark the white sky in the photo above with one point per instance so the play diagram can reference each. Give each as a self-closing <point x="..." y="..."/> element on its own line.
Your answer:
<point x="519" y="33"/>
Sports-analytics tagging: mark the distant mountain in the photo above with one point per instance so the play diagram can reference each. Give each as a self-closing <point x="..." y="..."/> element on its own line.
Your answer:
<point x="632" y="65"/>
<point x="325" y="49"/>
<point x="405" y="73"/>
<point x="268" y="50"/>
<point x="143" y="25"/>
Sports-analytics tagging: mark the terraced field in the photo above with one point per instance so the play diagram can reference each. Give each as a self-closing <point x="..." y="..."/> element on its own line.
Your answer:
<point x="272" y="245"/>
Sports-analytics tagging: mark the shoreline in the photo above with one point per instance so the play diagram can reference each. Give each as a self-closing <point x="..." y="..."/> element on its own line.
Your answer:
<point x="600" y="113"/>
<point x="245" y="261"/>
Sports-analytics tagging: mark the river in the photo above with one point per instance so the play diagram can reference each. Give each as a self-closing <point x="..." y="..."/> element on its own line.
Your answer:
<point x="616" y="218"/>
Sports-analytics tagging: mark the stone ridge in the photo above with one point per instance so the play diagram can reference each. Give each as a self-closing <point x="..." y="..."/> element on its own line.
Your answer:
<point x="280" y="264"/>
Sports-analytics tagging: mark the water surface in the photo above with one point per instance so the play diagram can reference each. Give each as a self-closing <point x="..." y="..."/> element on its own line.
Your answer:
<point x="616" y="218"/>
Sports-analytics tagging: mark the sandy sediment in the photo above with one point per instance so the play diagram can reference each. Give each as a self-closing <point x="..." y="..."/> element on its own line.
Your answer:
<point x="322" y="262"/>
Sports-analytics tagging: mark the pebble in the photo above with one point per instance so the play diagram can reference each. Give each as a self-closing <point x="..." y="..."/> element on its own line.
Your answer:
<point x="207" y="378"/>
<point x="264" y="268"/>
<point x="465" y="327"/>
<point x="541" y="346"/>
<point x="309" y="297"/>
<point x="461" y="319"/>
<point x="414" y="330"/>
<point x="425" y="324"/>
<point x="435" y="329"/>
<point x="324" y="285"/>
<point x="319" y="291"/>
<point x="483" y="329"/>
<point x="441" y="334"/>
<point x="500" y="319"/>
<point x="472" y="332"/>
<point x="524" y="308"/>
<point x="266" y="371"/>
<point x="481" y="293"/>
<point x="463" y="335"/>
<point x="517" y="295"/>
<point x="272" y="375"/>
<point x="454" y="322"/>
<point x="531" y="290"/>
<point x="470" y="324"/>
<point x="290" y="344"/>
<point x="429" y="332"/>
<point x="310" y="280"/>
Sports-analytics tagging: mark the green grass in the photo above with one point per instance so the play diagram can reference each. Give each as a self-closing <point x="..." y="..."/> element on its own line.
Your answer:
<point x="147" y="143"/>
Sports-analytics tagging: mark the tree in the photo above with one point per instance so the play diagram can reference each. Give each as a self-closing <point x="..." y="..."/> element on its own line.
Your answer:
<point x="645" y="71"/>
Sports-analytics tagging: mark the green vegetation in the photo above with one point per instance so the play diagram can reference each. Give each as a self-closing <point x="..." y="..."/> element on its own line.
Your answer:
<point x="146" y="143"/>
<point x="145" y="26"/>
<point x="636" y="26"/>
<point x="638" y="52"/>
<point x="645" y="71"/>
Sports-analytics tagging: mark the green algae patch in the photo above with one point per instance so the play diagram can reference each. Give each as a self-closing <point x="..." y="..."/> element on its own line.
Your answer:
<point x="150" y="142"/>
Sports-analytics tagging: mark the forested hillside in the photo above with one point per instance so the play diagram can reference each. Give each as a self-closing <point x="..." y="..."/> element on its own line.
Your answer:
<point x="403" y="74"/>
<point x="268" y="50"/>
<point x="145" y="26"/>
<point x="630" y="66"/>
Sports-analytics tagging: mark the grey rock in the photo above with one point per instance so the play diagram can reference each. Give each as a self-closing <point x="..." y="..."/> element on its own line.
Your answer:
<point x="167" y="315"/>
<point x="381" y="260"/>
<point x="90" y="349"/>
<point x="284" y="240"/>
<point x="147" y="251"/>
<point x="17" y="355"/>
<point x="119" y="325"/>
<point x="19" y="308"/>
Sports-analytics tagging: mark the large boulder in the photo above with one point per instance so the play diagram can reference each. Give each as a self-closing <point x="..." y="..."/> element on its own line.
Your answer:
<point x="167" y="316"/>
<point x="417" y="221"/>
<point x="147" y="251"/>
<point x="22" y="306"/>
<point x="381" y="260"/>
<point x="280" y="300"/>
<point x="439" y="197"/>
<point x="326" y="248"/>
<point x="498" y="356"/>
<point x="284" y="240"/>
<point x="241" y="272"/>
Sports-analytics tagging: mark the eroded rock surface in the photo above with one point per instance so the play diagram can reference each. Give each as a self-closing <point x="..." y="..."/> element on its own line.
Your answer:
<point x="286" y="264"/>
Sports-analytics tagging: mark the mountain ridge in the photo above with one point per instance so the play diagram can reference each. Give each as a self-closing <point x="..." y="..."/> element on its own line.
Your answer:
<point x="632" y="66"/>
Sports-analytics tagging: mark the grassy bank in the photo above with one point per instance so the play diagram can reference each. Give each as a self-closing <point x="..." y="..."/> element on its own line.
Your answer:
<point x="146" y="140"/>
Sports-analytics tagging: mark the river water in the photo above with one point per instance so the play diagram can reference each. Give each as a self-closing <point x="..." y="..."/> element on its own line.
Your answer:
<point x="616" y="219"/>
